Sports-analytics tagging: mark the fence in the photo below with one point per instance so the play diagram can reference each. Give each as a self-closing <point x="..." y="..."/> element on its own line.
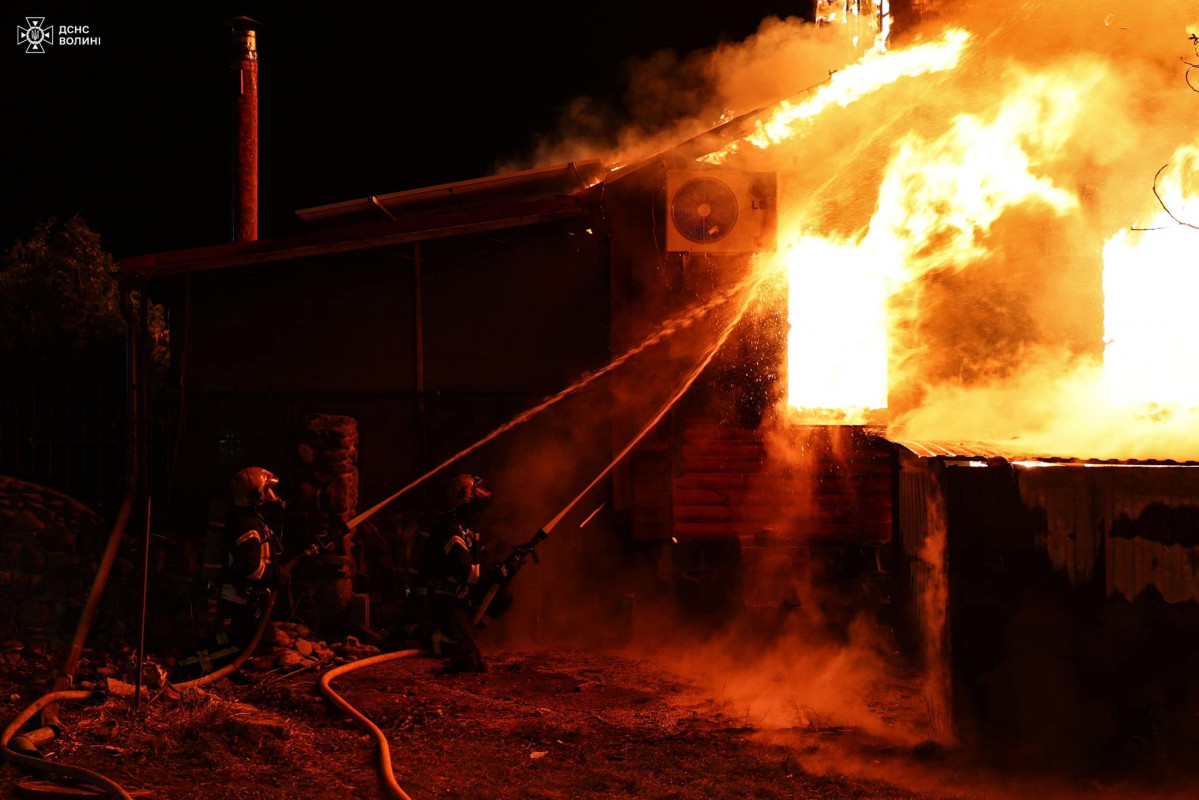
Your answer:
<point x="69" y="434"/>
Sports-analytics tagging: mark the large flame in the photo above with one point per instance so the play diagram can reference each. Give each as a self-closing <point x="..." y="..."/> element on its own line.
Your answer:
<point x="939" y="198"/>
<point x="867" y="76"/>
<point x="1150" y="287"/>
<point x="936" y="202"/>
<point x="837" y="345"/>
<point x="958" y="219"/>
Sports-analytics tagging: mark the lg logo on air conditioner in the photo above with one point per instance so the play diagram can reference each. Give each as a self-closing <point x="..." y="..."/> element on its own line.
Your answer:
<point x="36" y="35"/>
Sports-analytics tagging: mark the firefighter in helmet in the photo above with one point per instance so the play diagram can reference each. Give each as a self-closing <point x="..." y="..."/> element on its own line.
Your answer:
<point x="449" y="578"/>
<point x="252" y="552"/>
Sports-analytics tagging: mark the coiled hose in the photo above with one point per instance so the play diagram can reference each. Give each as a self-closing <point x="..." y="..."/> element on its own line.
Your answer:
<point x="386" y="776"/>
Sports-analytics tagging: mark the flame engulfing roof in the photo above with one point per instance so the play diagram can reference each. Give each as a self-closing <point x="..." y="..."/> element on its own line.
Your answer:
<point x="1013" y="453"/>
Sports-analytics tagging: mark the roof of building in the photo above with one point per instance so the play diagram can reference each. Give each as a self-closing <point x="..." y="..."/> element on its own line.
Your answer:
<point x="452" y="209"/>
<point x="1013" y="453"/>
<point x="530" y="185"/>
<point x="484" y="204"/>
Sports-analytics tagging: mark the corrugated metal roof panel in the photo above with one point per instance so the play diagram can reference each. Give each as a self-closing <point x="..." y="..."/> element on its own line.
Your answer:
<point x="947" y="448"/>
<point x="942" y="448"/>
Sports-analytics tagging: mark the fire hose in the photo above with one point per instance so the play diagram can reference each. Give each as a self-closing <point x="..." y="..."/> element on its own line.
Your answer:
<point x="80" y="774"/>
<point x="66" y="771"/>
<point x="514" y="562"/>
<point x="46" y="703"/>
<point x="242" y="657"/>
<point x="392" y="787"/>
<point x="387" y="777"/>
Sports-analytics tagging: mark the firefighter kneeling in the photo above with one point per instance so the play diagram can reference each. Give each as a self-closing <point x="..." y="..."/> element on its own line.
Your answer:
<point x="449" y="561"/>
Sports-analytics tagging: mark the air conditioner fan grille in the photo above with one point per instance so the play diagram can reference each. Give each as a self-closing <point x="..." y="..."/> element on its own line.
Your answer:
<point x="704" y="210"/>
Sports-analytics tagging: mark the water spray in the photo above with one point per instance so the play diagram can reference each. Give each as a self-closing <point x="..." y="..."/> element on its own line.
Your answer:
<point x="670" y="327"/>
<point x="521" y="552"/>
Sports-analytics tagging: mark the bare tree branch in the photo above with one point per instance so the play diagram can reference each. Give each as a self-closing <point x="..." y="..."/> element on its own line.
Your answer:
<point x="1192" y="67"/>
<point x="1162" y="202"/>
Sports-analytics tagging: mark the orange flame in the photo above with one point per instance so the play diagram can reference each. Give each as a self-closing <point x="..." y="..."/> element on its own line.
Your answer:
<point x="936" y="203"/>
<point x="851" y="84"/>
<point x="939" y="198"/>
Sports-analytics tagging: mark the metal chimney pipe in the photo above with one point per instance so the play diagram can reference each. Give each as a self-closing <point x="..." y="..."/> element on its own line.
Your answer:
<point x="243" y="68"/>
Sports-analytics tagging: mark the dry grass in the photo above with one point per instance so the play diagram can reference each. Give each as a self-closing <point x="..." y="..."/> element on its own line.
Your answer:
<point x="562" y="724"/>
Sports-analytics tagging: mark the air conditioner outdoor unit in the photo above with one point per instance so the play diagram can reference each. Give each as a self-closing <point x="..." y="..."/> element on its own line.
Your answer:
<point x="721" y="211"/>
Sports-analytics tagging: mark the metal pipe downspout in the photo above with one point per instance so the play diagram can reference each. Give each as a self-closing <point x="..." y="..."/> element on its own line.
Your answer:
<point x="243" y="67"/>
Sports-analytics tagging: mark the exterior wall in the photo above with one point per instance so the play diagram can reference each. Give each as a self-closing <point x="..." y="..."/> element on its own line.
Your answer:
<point x="791" y="516"/>
<point x="922" y="580"/>
<point x="807" y="484"/>
<point x="1072" y="625"/>
<point x="733" y="502"/>
<point x="507" y="320"/>
<point x="1131" y="529"/>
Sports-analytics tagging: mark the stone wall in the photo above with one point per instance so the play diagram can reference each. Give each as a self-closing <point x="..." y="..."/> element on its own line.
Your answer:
<point x="50" y="547"/>
<point x="328" y="498"/>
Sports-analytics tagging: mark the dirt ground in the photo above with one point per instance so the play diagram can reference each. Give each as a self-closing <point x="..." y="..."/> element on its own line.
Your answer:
<point x="558" y="723"/>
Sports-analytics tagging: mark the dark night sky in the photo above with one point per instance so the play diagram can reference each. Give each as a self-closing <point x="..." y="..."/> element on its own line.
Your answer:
<point x="355" y="100"/>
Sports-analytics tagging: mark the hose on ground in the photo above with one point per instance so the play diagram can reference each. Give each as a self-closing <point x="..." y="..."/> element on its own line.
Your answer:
<point x="386" y="776"/>
<point x="65" y="771"/>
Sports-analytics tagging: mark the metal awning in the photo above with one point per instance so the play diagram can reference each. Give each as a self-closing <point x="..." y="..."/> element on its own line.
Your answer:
<point x="558" y="181"/>
<point x="362" y="236"/>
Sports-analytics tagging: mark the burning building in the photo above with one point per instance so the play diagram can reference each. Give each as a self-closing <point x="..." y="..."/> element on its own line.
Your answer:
<point x="966" y="237"/>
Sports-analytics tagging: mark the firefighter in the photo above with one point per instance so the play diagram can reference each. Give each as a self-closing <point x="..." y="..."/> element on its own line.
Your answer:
<point x="450" y="578"/>
<point x="252" y="552"/>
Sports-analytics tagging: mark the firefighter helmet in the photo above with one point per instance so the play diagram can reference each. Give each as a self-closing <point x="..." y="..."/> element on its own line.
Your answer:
<point x="254" y="486"/>
<point x="466" y="489"/>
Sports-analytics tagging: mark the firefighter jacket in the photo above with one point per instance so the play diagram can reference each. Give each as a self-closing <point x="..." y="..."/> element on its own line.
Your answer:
<point x="252" y="549"/>
<point x="454" y="557"/>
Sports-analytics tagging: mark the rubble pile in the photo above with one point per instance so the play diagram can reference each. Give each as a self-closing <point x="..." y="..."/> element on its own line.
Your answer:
<point x="289" y="645"/>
